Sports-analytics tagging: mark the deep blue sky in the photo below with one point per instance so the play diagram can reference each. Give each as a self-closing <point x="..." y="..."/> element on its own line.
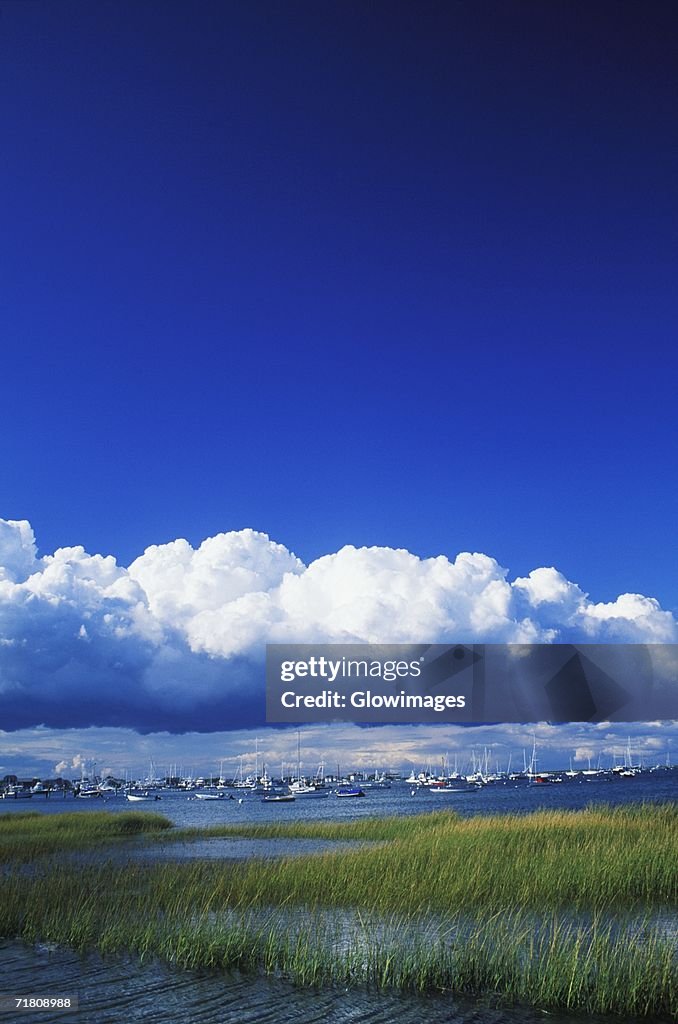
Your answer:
<point x="386" y="273"/>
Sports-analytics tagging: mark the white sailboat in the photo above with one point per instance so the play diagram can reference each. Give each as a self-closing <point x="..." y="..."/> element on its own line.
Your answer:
<point x="301" y="787"/>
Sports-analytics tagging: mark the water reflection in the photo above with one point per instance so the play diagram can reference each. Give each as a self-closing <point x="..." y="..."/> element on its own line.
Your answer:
<point x="121" y="990"/>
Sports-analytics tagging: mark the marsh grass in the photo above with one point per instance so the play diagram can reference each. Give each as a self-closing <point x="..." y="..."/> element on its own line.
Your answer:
<point x="556" y="909"/>
<point x="26" y="835"/>
<point x="598" y="858"/>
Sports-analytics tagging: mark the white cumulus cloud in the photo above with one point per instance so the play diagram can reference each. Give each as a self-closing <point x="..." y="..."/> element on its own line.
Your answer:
<point x="176" y="639"/>
<point x="17" y="549"/>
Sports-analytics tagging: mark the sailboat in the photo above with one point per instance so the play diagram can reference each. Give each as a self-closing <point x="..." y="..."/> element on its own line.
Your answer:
<point x="88" y="788"/>
<point x="300" y="787"/>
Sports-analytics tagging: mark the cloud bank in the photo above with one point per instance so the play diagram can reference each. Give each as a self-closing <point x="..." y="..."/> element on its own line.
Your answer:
<point x="175" y="641"/>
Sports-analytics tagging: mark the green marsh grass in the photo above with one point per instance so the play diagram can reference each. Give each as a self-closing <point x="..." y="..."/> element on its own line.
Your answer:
<point x="26" y="835"/>
<point x="556" y="909"/>
<point x="598" y="858"/>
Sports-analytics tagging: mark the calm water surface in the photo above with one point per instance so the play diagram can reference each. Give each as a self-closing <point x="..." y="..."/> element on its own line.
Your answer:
<point x="511" y="798"/>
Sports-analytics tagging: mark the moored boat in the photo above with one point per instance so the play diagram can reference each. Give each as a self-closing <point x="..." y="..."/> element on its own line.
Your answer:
<point x="305" y="792"/>
<point x="16" y="792"/>
<point x="458" y="787"/>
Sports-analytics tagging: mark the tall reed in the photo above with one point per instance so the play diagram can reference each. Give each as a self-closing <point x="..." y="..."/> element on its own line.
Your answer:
<point x="556" y="909"/>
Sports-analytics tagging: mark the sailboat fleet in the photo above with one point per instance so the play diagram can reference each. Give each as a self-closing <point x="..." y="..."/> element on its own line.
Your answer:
<point x="293" y="783"/>
<point x="480" y="773"/>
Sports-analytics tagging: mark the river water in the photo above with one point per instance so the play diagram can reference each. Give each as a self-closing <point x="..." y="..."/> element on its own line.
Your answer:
<point x="122" y="990"/>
